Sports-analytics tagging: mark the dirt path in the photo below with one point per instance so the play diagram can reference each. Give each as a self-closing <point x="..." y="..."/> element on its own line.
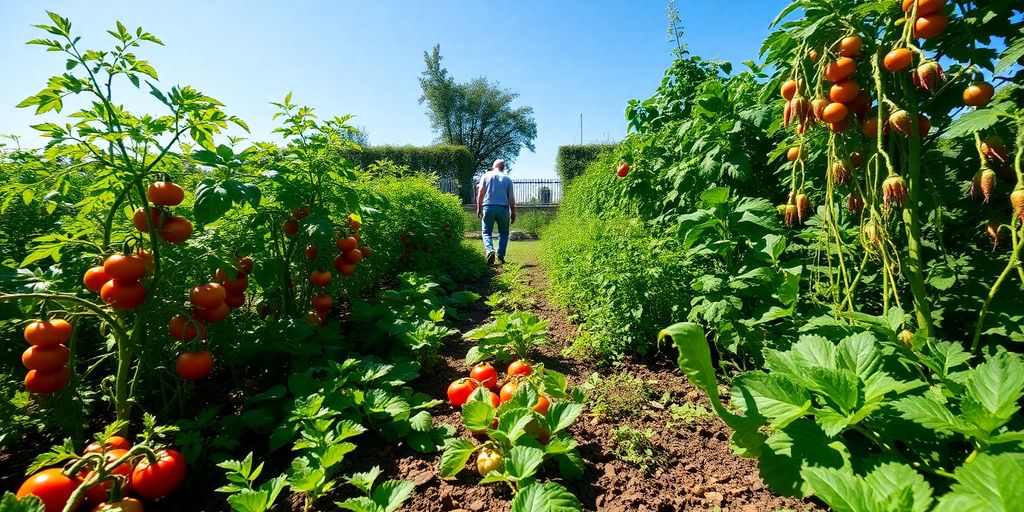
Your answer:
<point x="690" y="466"/>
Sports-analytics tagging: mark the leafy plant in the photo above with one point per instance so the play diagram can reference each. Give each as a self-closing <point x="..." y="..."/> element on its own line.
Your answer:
<point x="510" y="336"/>
<point x="635" y="447"/>
<point x="245" y="496"/>
<point x="386" y="497"/>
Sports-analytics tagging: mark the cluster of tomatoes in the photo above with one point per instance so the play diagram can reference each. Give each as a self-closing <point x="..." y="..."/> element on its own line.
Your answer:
<point x="164" y="194"/>
<point x="119" y="279"/>
<point x="47" y="357"/>
<point x="111" y="472"/>
<point x="485" y="375"/>
<point x="351" y="251"/>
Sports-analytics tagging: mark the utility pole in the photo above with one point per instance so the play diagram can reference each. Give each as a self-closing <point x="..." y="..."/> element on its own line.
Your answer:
<point x="581" y="128"/>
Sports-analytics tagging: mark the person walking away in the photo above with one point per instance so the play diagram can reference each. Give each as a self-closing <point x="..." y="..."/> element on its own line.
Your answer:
<point x="496" y="203"/>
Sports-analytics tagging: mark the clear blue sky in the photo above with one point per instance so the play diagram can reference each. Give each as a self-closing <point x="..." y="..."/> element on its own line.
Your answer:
<point x="563" y="57"/>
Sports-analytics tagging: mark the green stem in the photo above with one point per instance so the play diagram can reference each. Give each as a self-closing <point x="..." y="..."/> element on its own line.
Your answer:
<point x="1014" y="257"/>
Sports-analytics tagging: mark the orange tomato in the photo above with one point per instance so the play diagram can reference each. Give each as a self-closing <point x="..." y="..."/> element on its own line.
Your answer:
<point x="47" y="382"/>
<point x="208" y="296"/>
<point x="840" y="69"/>
<point x="165" y="193"/>
<point x="139" y="219"/>
<point x="898" y="59"/>
<point x="927" y="27"/>
<point x="123" y="294"/>
<point x="850" y="46"/>
<point x="48" y="333"/>
<point x="835" y="113"/>
<point x="45" y="359"/>
<point x="176" y="230"/>
<point x="95" y="278"/>
<point x="194" y="365"/>
<point x="979" y="94"/>
<point x="125" y="267"/>
<point x="320" y="278"/>
<point x="844" y="92"/>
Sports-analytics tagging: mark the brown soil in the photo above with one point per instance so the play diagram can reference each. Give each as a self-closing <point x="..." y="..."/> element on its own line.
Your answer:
<point x="699" y="471"/>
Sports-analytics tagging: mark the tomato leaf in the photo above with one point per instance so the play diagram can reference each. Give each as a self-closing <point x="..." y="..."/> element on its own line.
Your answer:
<point x="456" y="454"/>
<point x="521" y="462"/>
<point x="546" y="497"/>
<point x="30" y="503"/>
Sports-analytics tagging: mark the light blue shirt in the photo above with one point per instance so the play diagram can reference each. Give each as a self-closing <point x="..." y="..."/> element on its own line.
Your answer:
<point x="497" y="187"/>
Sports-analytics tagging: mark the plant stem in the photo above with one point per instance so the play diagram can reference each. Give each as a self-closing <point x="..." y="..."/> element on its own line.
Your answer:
<point x="1010" y="265"/>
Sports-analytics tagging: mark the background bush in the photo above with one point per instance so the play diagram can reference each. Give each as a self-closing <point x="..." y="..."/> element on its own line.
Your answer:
<point x="572" y="161"/>
<point x="443" y="160"/>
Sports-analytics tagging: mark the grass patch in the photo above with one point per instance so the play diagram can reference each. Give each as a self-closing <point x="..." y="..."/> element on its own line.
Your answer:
<point x="634" y="447"/>
<point x="618" y="396"/>
<point x="513" y="293"/>
<point x="685" y="414"/>
<point x="528" y="221"/>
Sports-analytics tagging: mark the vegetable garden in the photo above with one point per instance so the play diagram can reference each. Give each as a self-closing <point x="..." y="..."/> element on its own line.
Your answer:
<point x="791" y="287"/>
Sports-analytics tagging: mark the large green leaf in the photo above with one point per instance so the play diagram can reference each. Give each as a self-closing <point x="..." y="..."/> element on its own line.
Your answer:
<point x="521" y="462"/>
<point x="392" y="494"/>
<point x="774" y="397"/>
<point x="990" y="483"/>
<point x="546" y="497"/>
<point x="890" y="487"/>
<point x="457" y="452"/>
<point x="800" y="445"/>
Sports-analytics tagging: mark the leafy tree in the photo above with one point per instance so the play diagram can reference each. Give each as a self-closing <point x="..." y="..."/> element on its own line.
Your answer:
<point x="477" y="114"/>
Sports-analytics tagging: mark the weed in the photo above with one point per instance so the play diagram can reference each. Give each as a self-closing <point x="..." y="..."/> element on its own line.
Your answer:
<point x="619" y="395"/>
<point x="634" y="447"/>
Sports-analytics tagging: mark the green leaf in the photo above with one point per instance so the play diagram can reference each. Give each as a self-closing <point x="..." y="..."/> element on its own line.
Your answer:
<point x="773" y="397"/>
<point x="521" y="462"/>
<point x="562" y="414"/>
<point x="993" y="483"/>
<point x="364" y="481"/>
<point x="971" y="122"/>
<point x="801" y="444"/>
<point x="455" y="456"/>
<point x="997" y="385"/>
<point x="392" y="494"/>
<point x="30" y="503"/>
<point x="930" y="414"/>
<point x="422" y="421"/>
<point x="477" y="415"/>
<point x="840" y="387"/>
<point x="859" y="354"/>
<point x="889" y="487"/>
<point x="360" y="504"/>
<point x="546" y="497"/>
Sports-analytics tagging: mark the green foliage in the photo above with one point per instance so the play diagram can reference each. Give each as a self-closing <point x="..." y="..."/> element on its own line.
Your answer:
<point x="617" y="396"/>
<point x="572" y="161"/>
<point x="245" y="495"/>
<point x="450" y="162"/>
<point x="513" y="293"/>
<point x="386" y="497"/>
<point x="634" y="447"/>
<point x="868" y="420"/>
<point x="510" y="336"/>
<point x="11" y="503"/>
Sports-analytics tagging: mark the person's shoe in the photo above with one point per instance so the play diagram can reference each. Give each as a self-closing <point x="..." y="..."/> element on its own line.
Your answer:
<point x="490" y="257"/>
<point x="501" y="261"/>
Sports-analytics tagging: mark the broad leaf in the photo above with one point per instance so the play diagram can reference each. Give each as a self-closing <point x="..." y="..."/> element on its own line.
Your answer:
<point x="546" y="497"/>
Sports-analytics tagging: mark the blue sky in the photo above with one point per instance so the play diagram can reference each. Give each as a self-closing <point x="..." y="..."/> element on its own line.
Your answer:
<point x="564" y="58"/>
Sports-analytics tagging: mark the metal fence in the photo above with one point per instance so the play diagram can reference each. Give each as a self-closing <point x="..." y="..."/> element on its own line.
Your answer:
<point x="528" y="191"/>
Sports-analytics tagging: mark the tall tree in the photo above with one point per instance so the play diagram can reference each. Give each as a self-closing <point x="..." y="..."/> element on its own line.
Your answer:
<point x="477" y="114"/>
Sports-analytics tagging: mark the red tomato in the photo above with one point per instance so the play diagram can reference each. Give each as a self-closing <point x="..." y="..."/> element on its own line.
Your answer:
<point x="214" y="315"/>
<point x="50" y="486"/>
<point x="176" y="230"/>
<point x="99" y="492"/>
<point x="165" y="193"/>
<point x="320" y="278"/>
<point x="158" y="479"/>
<point x="194" y="366"/>
<point x="543" y="403"/>
<point x="508" y="391"/>
<point x="235" y="301"/>
<point x="347" y="244"/>
<point x="345" y="269"/>
<point x="123" y="294"/>
<point x="459" y="391"/>
<point x="367" y="251"/>
<point x="519" y="368"/>
<point x="354" y="256"/>
<point x="48" y="333"/>
<point x="45" y="359"/>
<point x="208" y="296"/>
<point x="495" y="400"/>
<point x="245" y="266"/>
<point x="623" y="171"/>
<point x="353" y="222"/>
<point x="233" y="287"/>
<point x="125" y="268"/>
<point x="312" y="252"/>
<point x="322" y="302"/>
<point x="139" y="219"/>
<point x="47" y="382"/>
<point x="112" y="443"/>
<point x="95" y="278"/>
<point x="485" y="374"/>
<point x="300" y="213"/>
<point x="125" y="505"/>
<point x="290" y="227"/>
<point x="181" y="329"/>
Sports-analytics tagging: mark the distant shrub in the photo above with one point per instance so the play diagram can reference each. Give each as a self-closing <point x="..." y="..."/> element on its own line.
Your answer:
<point x="572" y="161"/>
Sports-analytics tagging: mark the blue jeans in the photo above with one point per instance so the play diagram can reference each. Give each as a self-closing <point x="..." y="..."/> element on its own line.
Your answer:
<point x="499" y="214"/>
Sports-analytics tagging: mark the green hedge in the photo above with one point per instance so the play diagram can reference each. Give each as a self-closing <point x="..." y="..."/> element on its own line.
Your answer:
<point x="572" y="161"/>
<point x="445" y="161"/>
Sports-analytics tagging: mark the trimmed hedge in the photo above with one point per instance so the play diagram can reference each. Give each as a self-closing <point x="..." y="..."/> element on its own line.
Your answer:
<point x="446" y="161"/>
<point x="572" y="161"/>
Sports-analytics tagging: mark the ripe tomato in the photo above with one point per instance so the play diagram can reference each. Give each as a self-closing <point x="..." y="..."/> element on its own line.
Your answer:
<point x="840" y="69"/>
<point x="233" y="287"/>
<point x="508" y="391"/>
<point x="123" y="294"/>
<point x="320" y="278"/>
<point x="354" y="256"/>
<point x="208" y="296"/>
<point x="48" y="333"/>
<point x="125" y="268"/>
<point x="300" y="213"/>
<point x="51" y="487"/>
<point x="158" y="479"/>
<point x="495" y="400"/>
<point x="850" y="46"/>
<point x="45" y="359"/>
<point x="322" y="302"/>
<point x="235" y="301"/>
<point x="112" y="443"/>
<point x="979" y="94"/>
<point x="95" y="278"/>
<point x="99" y="492"/>
<point x="290" y="227"/>
<point x="347" y="244"/>
<point x="176" y="230"/>
<point x="139" y="219"/>
<point x="623" y="171"/>
<point x="789" y="88"/>
<point x="214" y="315"/>
<point x="485" y="374"/>
<point x="794" y="153"/>
<point x="924" y="6"/>
<point x="345" y="269"/>
<point x="125" y="505"/>
<point x="844" y="92"/>
<point x="835" y="113"/>
<point x="47" y="382"/>
<point x="543" y="403"/>
<point x="927" y="27"/>
<point x="459" y="391"/>
<point x="488" y="460"/>
<point x="245" y="266"/>
<point x="165" y="193"/>
<point x="182" y="328"/>
<point x="193" y="366"/>
<point x="312" y="252"/>
<point x="367" y="251"/>
<point x="520" y="368"/>
<point x="898" y="60"/>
